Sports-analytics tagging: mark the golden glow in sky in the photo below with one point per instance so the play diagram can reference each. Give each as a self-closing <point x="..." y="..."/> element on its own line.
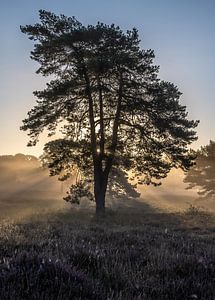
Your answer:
<point x="180" y="32"/>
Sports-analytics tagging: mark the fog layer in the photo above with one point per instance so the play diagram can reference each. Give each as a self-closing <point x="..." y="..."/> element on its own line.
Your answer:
<point x="26" y="187"/>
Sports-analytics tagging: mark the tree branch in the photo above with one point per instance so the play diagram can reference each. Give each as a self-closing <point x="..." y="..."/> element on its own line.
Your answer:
<point x="115" y="127"/>
<point x="101" y="116"/>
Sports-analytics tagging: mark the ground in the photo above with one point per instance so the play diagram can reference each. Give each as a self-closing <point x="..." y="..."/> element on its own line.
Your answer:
<point x="131" y="254"/>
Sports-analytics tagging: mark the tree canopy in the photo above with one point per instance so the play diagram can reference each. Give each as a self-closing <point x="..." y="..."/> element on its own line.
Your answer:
<point x="202" y="174"/>
<point x="114" y="113"/>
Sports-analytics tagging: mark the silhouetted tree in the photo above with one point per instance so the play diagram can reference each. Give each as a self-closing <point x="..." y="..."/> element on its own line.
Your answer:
<point x="202" y="174"/>
<point x="116" y="113"/>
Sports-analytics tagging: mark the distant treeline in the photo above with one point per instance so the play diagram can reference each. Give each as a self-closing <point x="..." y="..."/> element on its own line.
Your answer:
<point x="23" y="174"/>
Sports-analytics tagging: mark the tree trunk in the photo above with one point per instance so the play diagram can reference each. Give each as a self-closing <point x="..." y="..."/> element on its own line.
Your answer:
<point x="100" y="187"/>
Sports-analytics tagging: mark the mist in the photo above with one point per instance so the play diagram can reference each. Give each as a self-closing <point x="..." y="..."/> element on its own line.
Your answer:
<point x="27" y="189"/>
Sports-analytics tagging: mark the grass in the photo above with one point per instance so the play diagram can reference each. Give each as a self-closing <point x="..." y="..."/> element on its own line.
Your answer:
<point x="128" y="255"/>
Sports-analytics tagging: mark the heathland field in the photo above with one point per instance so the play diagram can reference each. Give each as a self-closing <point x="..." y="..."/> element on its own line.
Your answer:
<point x="130" y="254"/>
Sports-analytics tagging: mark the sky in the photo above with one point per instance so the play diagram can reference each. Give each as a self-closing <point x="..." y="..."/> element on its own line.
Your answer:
<point x="182" y="34"/>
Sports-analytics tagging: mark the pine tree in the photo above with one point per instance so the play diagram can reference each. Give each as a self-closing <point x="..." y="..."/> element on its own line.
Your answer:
<point x="114" y="112"/>
<point x="202" y="174"/>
